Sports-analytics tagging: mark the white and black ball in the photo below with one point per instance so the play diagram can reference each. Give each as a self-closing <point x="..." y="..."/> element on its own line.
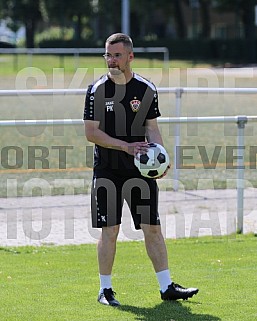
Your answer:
<point x="154" y="163"/>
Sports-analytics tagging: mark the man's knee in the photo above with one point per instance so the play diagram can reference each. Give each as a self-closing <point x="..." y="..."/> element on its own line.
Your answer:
<point x="153" y="230"/>
<point x="110" y="233"/>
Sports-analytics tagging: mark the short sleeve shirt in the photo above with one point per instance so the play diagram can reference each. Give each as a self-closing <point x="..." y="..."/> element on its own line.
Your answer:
<point x="122" y="111"/>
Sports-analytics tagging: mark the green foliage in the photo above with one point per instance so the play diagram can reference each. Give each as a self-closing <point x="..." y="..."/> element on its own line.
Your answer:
<point x="234" y="5"/>
<point x="94" y="20"/>
<point x="54" y="33"/>
<point x="26" y="12"/>
<point x="67" y="13"/>
<point x="231" y="50"/>
<point x="31" y="12"/>
<point x="64" y="37"/>
<point x="20" y="10"/>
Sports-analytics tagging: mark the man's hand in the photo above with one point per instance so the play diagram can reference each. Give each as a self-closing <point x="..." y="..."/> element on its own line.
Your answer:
<point x="165" y="173"/>
<point x="134" y="148"/>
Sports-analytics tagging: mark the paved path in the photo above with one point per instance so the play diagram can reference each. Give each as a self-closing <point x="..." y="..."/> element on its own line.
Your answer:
<point x="66" y="219"/>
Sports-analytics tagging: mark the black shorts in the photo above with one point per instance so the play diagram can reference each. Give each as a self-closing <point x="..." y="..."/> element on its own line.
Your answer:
<point x="109" y="192"/>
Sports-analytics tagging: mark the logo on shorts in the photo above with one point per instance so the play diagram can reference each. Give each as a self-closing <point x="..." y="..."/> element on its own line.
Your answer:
<point x="135" y="105"/>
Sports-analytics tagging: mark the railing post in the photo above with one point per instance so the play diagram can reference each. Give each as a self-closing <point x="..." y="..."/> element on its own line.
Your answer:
<point x="76" y="59"/>
<point x="241" y="122"/>
<point x="29" y="57"/>
<point x="178" y="92"/>
<point x="166" y="58"/>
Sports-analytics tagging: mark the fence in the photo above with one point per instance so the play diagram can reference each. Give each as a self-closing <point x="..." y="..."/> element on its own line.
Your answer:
<point x="76" y="52"/>
<point x="239" y="120"/>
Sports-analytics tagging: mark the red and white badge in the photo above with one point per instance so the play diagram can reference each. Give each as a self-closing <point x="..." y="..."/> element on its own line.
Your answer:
<point x="135" y="105"/>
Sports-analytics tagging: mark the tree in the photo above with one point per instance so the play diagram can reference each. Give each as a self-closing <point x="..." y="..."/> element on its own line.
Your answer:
<point x="246" y="12"/>
<point x="65" y="12"/>
<point x="205" y="6"/>
<point x="179" y="19"/>
<point x="26" y="12"/>
<point x="151" y="17"/>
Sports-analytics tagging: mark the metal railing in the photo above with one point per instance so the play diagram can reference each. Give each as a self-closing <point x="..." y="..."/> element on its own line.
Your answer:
<point x="240" y="121"/>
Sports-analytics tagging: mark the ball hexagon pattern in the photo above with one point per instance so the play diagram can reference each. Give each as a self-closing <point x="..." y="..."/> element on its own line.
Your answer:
<point x="154" y="163"/>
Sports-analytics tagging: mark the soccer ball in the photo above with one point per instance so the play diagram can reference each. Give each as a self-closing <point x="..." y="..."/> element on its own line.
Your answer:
<point x="154" y="163"/>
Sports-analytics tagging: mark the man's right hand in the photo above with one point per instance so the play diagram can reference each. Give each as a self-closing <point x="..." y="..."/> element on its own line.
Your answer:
<point x="135" y="148"/>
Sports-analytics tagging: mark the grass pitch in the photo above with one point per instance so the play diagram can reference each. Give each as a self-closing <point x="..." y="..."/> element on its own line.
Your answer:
<point x="61" y="283"/>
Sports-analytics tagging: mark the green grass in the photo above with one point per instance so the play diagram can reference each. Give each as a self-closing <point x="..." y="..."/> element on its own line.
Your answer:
<point x="61" y="283"/>
<point x="12" y="64"/>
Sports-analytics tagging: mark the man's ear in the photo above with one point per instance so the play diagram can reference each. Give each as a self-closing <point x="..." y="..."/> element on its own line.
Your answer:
<point x="131" y="56"/>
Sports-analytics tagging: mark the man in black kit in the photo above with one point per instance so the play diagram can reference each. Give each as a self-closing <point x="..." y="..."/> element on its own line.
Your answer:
<point x="120" y="115"/>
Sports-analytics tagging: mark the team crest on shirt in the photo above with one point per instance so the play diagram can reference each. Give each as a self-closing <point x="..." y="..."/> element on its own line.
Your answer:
<point x="135" y="105"/>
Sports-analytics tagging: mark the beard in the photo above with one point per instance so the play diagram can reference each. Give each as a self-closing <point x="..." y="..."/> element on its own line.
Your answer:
<point x="115" y="71"/>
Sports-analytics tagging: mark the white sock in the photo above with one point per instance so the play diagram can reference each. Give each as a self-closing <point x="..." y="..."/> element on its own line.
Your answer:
<point x="105" y="282"/>
<point x="164" y="279"/>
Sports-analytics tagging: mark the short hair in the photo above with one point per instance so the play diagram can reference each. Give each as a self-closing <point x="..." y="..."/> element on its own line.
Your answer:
<point x="120" y="37"/>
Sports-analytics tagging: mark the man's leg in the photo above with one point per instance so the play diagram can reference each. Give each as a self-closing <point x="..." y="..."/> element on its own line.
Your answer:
<point x="106" y="249"/>
<point x="157" y="251"/>
<point x="106" y="253"/>
<point x="155" y="246"/>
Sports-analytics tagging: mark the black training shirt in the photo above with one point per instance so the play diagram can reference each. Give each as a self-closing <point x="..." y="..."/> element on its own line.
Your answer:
<point x="122" y="111"/>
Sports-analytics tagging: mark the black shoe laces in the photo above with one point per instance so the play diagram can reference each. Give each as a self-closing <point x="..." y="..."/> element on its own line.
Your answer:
<point x="176" y="285"/>
<point x="109" y="294"/>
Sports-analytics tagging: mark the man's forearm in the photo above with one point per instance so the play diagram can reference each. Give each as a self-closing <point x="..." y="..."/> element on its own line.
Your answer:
<point x="102" y="139"/>
<point x="154" y="136"/>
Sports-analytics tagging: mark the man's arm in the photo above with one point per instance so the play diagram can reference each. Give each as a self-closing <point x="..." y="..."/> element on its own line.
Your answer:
<point x="98" y="137"/>
<point x="153" y="134"/>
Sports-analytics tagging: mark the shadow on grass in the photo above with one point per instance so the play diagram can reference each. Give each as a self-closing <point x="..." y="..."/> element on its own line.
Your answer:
<point x="167" y="311"/>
